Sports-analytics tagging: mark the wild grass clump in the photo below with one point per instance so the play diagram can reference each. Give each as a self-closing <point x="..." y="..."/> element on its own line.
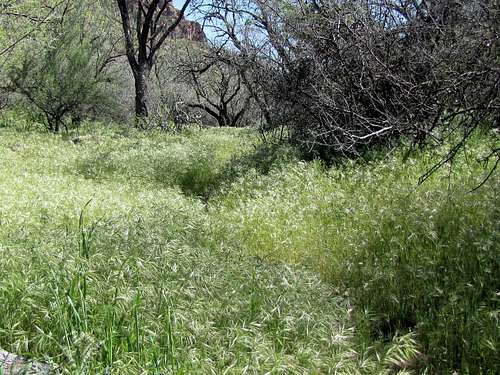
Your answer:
<point x="432" y="266"/>
<point x="191" y="161"/>
<point x="126" y="252"/>
<point x="114" y="272"/>
<point x="20" y="121"/>
<point x="422" y="260"/>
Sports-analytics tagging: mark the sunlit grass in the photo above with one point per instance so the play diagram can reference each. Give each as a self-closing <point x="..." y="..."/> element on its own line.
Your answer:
<point x="114" y="272"/>
<point x="412" y="259"/>
<point x="208" y="252"/>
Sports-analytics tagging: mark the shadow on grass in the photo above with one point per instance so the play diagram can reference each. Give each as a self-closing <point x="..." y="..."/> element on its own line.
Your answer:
<point x="195" y="170"/>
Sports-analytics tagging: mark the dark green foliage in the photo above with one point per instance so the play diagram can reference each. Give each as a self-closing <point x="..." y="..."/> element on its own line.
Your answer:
<point x="62" y="78"/>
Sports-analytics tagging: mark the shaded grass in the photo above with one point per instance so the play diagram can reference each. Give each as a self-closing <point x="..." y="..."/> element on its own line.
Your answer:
<point x="422" y="260"/>
<point x="191" y="161"/>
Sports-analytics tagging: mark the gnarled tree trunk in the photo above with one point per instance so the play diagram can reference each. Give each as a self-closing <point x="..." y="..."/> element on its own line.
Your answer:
<point x="141" y="76"/>
<point x="151" y="30"/>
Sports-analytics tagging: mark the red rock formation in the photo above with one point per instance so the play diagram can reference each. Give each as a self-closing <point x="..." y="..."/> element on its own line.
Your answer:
<point x="189" y="30"/>
<point x="186" y="29"/>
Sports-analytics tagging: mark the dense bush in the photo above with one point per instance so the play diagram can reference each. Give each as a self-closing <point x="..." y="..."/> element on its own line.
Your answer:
<point x="62" y="76"/>
<point x="343" y="76"/>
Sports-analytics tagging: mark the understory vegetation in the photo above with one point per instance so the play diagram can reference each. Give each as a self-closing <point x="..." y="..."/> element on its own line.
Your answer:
<point x="208" y="251"/>
<point x="250" y="186"/>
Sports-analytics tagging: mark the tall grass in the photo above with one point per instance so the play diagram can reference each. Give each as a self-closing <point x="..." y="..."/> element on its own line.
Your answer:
<point x="421" y="260"/>
<point x="207" y="252"/>
<point x="192" y="161"/>
<point x="113" y="272"/>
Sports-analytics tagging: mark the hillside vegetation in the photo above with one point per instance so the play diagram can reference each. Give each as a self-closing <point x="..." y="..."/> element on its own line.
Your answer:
<point x="209" y="252"/>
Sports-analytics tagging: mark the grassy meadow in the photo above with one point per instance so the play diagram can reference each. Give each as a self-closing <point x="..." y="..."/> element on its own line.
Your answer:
<point x="209" y="252"/>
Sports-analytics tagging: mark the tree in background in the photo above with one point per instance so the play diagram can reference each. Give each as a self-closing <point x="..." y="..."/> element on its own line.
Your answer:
<point x="217" y="85"/>
<point x="63" y="75"/>
<point x="146" y="26"/>
<point x="21" y="23"/>
<point x="344" y="76"/>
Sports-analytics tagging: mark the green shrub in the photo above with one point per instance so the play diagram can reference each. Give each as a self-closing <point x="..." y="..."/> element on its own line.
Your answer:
<point x="61" y="77"/>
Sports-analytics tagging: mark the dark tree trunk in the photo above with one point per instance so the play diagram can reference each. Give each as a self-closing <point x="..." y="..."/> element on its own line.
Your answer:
<point x="141" y="76"/>
<point x="150" y="36"/>
<point x="52" y="123"/>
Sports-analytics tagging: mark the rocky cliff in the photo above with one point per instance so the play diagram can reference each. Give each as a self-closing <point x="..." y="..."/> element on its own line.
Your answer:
<point x="190" y="30"/>
<point x="186" y="29"/>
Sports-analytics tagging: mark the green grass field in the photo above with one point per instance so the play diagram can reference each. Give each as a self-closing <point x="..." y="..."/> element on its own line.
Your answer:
<point x="208" y="252"/>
